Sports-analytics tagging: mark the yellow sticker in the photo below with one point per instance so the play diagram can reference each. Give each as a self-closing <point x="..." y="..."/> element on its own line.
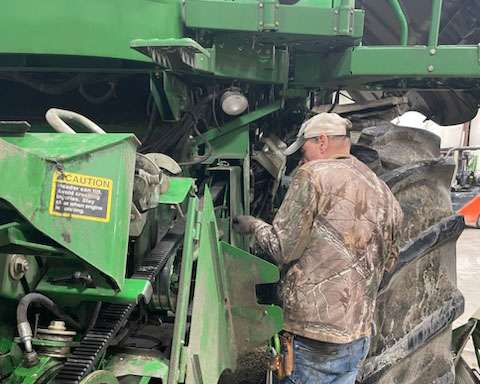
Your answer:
<point x="81" y="196"/>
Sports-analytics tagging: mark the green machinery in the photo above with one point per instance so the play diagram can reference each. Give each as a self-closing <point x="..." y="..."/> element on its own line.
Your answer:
<point x="117" y="258"/>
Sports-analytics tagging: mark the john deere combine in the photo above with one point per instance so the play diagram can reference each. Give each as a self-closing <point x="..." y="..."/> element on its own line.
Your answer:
<point x="134" y="130"/>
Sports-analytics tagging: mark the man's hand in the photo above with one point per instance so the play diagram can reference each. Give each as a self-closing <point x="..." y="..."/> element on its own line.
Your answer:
<point x="243" y="224"/>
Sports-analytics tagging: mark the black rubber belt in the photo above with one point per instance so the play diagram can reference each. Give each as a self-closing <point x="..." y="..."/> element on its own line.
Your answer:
<point x="112" y="317"/>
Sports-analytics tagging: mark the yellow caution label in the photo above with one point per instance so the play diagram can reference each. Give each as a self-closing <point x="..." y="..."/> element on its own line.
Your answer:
<point x="81" y="196"/>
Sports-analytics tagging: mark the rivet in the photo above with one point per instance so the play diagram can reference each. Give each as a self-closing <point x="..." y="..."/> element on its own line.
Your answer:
<point x="430" y="68"/>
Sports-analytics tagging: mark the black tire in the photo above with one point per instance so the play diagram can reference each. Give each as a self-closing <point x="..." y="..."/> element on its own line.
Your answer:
<point x="418" y="301"/>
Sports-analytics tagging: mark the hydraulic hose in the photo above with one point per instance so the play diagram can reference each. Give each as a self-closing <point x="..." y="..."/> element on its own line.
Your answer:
<point x="23" y="326"/>
<point x="57" y="117"/>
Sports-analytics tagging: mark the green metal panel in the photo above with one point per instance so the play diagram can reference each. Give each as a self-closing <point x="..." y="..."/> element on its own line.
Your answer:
<point x="177" y="190"/>
<point x="147" y="365"/>
<point x="372" y="64"/>
<point x="69" y="295"/>
<point x="185" y="281"/>
<point x="238" y="123"/>
<point x="225" y="295"/>
<point x="303" y="18"/>
<point x="42" y="370"/>
<point x="30" y="189"/>
<point x="227" y="58"/>
<point x="85" y="28"/>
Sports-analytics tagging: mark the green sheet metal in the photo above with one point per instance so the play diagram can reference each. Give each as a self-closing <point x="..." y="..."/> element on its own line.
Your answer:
<point x="177" y="190"/>
<point x="140" y="365"/>
<point x="132" y="290"/>
<point x="225" y="295"/>
<point x="303" y="18"/>
<point x="363" y="65"/>
<point x="39" y="169"/>
<point x="101" y="29"/>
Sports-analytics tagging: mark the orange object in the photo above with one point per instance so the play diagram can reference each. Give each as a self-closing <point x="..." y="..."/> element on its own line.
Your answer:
<point x="471" y="212"/>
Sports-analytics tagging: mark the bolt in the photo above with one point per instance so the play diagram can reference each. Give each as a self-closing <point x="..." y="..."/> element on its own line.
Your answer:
<point x="260" y="5"/>
<point x="21" y="266"/>
<point x="31" y="359"/>
<point x="277" y="23"/>
<point x="336" y="12"/>
<point x="430" y="68"/>
<point x="57" y="326"/>
<point x="335" y="29"/>
<point x="433" y="51"/>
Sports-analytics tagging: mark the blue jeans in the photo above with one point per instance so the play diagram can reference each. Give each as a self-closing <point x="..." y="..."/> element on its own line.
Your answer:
<point x="316" y="362"/>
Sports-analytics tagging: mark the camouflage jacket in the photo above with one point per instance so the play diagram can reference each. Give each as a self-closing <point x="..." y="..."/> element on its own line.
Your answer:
<point x="333" y="237"/>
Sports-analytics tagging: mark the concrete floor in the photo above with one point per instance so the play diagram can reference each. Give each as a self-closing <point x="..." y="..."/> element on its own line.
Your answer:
<point x="468" y="280"/>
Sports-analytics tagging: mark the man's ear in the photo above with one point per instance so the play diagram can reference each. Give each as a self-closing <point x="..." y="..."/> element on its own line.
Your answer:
<point x="323" y="142"/>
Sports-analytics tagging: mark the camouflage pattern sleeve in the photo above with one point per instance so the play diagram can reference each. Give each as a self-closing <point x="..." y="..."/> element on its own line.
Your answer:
<point x="394" y="251"/>
<point x="286" y="239"/>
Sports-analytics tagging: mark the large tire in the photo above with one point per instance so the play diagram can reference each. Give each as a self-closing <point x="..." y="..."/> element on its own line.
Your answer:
<point x="418" y="301"/>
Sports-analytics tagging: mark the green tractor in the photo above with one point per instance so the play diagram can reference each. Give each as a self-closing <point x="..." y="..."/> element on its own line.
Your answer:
<point x="133" y="131"/>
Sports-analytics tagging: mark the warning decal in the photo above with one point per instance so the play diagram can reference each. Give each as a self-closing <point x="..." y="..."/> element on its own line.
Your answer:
<point x="81" y="196"/>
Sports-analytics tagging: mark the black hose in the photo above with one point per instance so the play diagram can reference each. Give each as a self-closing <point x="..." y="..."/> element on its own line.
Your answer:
<point x="22" y="309"/>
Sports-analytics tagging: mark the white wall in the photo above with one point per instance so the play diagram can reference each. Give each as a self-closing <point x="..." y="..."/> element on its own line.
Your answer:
<point x="450" y="136"/>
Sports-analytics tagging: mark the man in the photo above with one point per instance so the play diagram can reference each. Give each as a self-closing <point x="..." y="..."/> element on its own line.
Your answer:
<point x="333" y="237"/>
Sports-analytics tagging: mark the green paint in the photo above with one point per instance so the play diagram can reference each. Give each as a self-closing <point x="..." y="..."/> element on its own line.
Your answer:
<point x="29" y="189"/>
<point x="361" y="65"/>
<point x="305" y="19"/>
<point x="92" y="28"/>
<point x="181" y="311"/>
<point x="132" y="289"/>
<point x="177" y="191"/>
<point x="402" y="20"/>
<point x="146" y="365"/>
<point x="238" y="123"/>
<point x="45" y="368"/>
<point x="225" y="295"/>
<point x="435" y="23"/>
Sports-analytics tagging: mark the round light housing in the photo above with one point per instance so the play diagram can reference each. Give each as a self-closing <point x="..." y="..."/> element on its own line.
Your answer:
<point x="233" y="102"/>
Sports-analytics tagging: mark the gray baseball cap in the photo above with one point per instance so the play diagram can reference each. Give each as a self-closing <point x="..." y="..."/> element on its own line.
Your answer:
<point x="329" y="124"/>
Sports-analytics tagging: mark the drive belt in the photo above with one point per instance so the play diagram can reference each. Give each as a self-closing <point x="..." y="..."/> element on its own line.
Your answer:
<point x="113" y="317"/>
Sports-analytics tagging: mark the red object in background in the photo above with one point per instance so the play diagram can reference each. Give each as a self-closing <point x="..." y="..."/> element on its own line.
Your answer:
<point x="471" y="212"/>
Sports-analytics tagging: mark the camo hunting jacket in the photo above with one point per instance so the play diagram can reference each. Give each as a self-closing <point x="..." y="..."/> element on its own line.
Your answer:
<point x="333" y="237"/>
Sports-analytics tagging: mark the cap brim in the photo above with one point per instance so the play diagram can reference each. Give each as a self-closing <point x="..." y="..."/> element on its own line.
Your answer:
<point x="294" y="147"/>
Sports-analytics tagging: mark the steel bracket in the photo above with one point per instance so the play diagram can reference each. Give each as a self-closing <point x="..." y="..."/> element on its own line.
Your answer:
<point x="343" y="21"/>
<point x="268" y="15"/>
